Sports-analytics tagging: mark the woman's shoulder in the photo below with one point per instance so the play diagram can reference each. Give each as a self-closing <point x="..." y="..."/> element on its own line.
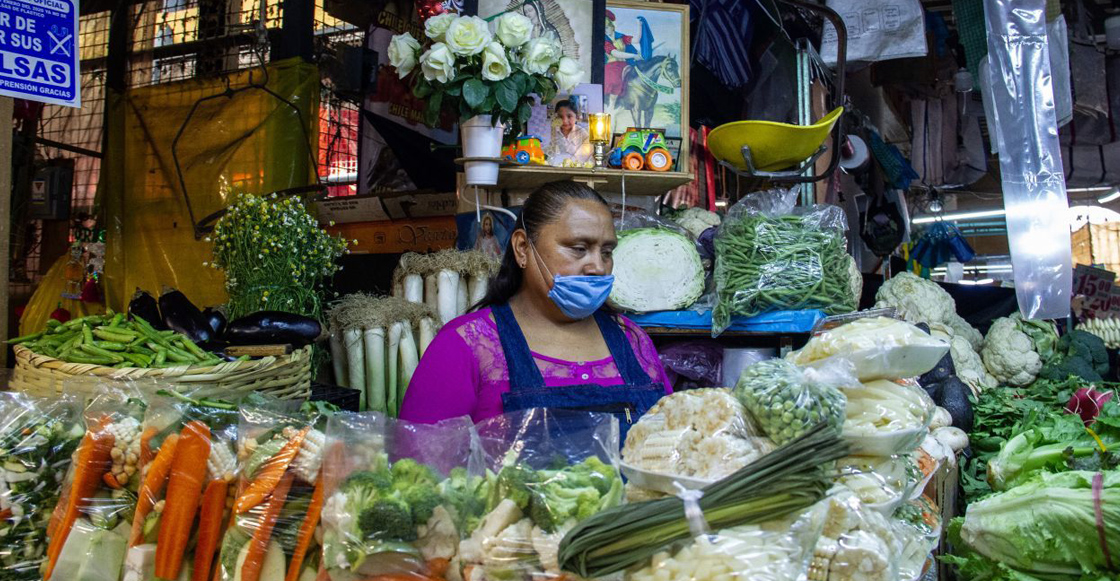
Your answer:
<point x="632" y="329"/>
<point x="470" y="326"/>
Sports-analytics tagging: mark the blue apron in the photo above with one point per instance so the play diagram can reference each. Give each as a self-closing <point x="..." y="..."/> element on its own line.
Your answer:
<point x="627" y="402"/>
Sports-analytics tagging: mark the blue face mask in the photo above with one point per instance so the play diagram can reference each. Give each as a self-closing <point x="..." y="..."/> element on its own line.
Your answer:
<point x="578" y="296"/>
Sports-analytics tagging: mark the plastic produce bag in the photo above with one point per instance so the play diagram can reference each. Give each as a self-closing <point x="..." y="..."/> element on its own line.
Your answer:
<point x="398" y="496"/>
<point x="773" y="551"/>
<point x="549" y="469"/>
<point x="855" y="542"/>
<point x="697" y="361"/>
<point x="89" y="527"/>
<point x="917" y="525"/>
<point x="771" y="255"/>
<point x="693" y="438"/>
<point x="1025" y="126"/>
<point x="881" y="483"/>
<point x="878" y="348"/>
<point x="273" y="533"/>
<point x="37" y="438"/>
<point x="657" y="265"/>
<point x="184" y="474"/>
<point x="885" y="418"/>
<point x="785" y="400"/>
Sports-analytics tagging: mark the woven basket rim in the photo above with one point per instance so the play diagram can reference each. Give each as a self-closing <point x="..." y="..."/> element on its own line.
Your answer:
<point x="38" y="360"/>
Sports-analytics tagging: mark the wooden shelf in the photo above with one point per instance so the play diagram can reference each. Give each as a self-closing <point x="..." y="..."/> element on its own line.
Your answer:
<point x="398" y="236"/>
<point x="638" y="183"/>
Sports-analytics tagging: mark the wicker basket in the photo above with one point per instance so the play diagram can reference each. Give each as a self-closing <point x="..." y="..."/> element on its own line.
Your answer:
<point x="287" y="377"/>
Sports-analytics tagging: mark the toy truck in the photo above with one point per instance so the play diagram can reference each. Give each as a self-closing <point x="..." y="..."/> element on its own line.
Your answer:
<point x="641" y="149"/>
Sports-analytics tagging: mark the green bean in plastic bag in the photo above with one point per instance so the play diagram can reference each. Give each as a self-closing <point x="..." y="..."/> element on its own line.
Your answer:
<point x="771" y="256"/>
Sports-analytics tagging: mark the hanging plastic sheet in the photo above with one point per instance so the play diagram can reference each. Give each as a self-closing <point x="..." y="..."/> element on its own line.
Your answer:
<point x="1034" y="190"/>
<point x="48" y="297"/>
<point x="247" y="141"/>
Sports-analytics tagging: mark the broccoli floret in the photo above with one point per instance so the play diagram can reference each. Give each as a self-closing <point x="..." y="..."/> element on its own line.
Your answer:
<point x="378" y="480"/>
<point x="516" y="483"/>
<point x="1063" y="367"/>
<point x="599" y="474"/>
<point x="556" y="503"/>
<point x="466" y="496"/>
<point x="387" y="519"/>
<point x="422" y="499"/>
<point x="1087" y="346"/>
<point x="408" y="473"/>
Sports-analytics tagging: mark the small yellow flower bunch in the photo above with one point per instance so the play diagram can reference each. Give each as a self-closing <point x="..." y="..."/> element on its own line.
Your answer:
<point x="274" y="255"/>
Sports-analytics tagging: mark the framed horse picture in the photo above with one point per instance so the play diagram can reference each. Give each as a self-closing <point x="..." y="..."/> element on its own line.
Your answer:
<point x="645" y="72"/>
<point x="578" y="24"/>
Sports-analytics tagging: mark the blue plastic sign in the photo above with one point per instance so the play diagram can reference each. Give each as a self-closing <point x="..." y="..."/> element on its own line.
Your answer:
<point x="39" y="51"/>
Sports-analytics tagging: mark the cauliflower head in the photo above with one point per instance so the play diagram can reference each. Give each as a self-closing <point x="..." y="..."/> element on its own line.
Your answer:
<point x="696" y="220"/>
<point x="966" y="331"/>
<point x="916" y="299"/>
<point x="1008" y="354"/>
<point x="969" y="366"/>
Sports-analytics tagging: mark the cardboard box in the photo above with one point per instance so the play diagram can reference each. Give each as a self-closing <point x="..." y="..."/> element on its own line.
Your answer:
<point x="420" y="204"/>
<point x="351" y="209"/>
<point x="416" y="235"/>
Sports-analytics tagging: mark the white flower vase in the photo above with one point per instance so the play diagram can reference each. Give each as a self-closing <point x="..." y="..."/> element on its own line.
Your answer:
<point x="481" y="139"/>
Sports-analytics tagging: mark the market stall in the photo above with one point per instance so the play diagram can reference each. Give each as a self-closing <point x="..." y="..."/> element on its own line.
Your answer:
<point x="606" y="289"/>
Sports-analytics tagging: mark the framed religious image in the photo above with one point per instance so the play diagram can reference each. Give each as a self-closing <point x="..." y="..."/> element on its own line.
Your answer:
<point x="645" y="75"/>
<point x="577" y="23"/>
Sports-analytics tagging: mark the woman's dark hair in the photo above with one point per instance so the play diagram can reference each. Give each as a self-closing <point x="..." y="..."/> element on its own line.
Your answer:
<point x="570" y="104"/>
<point x="543" y="207"/>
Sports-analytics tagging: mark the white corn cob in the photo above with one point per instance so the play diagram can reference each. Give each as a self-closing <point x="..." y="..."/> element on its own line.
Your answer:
<point x="310" y="457"/>
<point x="221" y="463"/>
<point x="126" y="449"/>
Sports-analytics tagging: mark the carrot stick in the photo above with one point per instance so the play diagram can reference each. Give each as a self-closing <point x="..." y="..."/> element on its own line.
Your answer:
<point x="269" y="475"/>
<point x="437" y="568"/>
<point x="258" y="545"/>
<point x="5" y="514"/>
<point x="306" y="532"/>
<point x="184" y="486"/>
<point x="93" y="462"/>
<point x="209" y="528"/>
<point x="154" y="480"/>
<point x="110" y="481"/>
<point x="146" y="454"/>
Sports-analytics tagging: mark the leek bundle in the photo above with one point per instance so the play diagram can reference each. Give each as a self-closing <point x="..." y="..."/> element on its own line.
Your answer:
<point x="448" y="281"/>
<point x="382" y="340"/>
<point x="788" y="479"/>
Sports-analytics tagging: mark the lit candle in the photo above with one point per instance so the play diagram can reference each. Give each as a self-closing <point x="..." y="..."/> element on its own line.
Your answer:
<point x="600" y="130"/>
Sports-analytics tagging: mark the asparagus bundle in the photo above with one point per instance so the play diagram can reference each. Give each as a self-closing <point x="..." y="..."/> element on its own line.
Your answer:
<point x="449" y="281"/>
<point x="790" y="478"/>
<point x="376" y="344"/>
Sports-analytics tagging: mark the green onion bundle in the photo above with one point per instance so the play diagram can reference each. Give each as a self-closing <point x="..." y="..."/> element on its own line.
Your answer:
<point x="789" y="479"/>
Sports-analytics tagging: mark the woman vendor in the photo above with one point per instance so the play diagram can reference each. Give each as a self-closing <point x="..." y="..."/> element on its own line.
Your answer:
<point x="541" y="337"/>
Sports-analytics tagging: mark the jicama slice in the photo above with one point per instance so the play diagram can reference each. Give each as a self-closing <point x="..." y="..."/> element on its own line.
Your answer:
<point x="414" y="288"/>
<point x="448" y="284"/>
<point x="374" y="342"/>
<point x="391" y="356"/>
<point x="352" y="340"/>
<point x="338" y="360"/>
<point x="409" y="360"/>
<point x="427" y="333"/>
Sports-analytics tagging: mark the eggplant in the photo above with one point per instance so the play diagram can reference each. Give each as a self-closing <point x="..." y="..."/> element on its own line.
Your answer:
<point x="215" y="319"/>
<point x="273" y="328"/>
<point x="180" y="315"/>
<point x="144" y="306"/>
<point x="940" y="372"/>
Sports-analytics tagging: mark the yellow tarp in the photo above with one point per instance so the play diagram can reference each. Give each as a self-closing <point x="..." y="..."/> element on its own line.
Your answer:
<point x="245" y="141"/>
<point x="47" y="297"/>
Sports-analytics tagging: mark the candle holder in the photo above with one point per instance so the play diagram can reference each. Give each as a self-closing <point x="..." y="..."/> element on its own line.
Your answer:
<point x="600" y="135"/>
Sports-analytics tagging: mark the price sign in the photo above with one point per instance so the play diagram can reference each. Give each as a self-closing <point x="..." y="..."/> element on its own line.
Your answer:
<point x="39" y="51"/>
<point x="1096" y="286"/>
<point x="1114" y="304"/>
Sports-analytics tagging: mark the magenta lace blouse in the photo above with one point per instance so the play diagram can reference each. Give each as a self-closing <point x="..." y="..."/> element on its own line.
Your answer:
<point x="464" y="371"/>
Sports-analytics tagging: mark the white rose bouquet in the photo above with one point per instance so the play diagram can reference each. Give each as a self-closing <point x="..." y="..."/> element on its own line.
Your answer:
<point x="471" y="67"/>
